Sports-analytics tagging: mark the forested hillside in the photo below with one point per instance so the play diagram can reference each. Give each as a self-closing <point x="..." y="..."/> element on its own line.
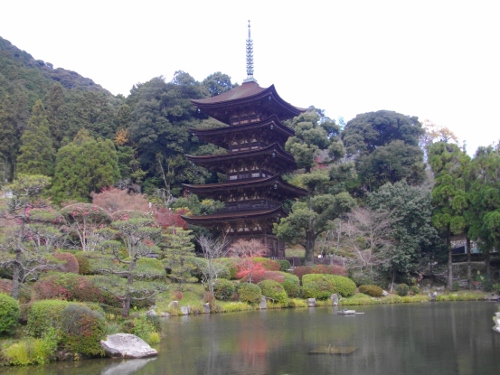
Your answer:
<point x="147" y="131"/>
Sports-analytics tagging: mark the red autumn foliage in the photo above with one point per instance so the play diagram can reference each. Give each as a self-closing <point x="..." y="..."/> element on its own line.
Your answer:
<point x="70" y="262"/>
<point x="167" y="217"/>
<point x="68" y="287"/>
<point x="250" y="271"/>
<point x="274" y="275"/>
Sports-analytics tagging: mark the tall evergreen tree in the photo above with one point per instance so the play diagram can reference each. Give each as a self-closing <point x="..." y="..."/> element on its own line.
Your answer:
<point x="84" y="166"/>
<point x="36" y="151"/>
<point x="449" y="198"/>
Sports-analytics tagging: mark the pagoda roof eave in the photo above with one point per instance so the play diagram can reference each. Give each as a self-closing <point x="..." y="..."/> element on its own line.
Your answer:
<point x="247" y="183"/>
<point x="233" y="216"/>
<point x="246" y="93"/>
<point x="237" y="129"/>
<point x="274" y="147"/>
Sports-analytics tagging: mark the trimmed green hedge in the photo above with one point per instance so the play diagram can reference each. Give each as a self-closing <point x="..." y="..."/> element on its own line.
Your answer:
<point x="250" y="293"/>
<point x="274" y="290"/>
<point x="9" y="314"/>
<point x="223" y="289"/>
<point x="371" y="290"/>
<point x="291" y="285"/>
<point x="322" y="286"/>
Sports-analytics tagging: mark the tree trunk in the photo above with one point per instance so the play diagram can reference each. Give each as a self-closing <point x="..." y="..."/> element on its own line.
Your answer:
<point x="450" y="264"/>
<point x="128" y="295"/>
<point x="488" y="265"/>
<point x="16" y="285"/>
<point x="309" y="258"/>
<point x="469" y="267"/>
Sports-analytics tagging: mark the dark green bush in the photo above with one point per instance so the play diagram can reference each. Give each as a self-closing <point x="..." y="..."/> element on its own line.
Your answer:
<point x="82" y="329"/>
<point x="344" y="285"/>
<point x="402" y="290"/>
<point x="284" y="264"/>
<point x="9" y="314"/>
<point x="291" y="285"/>
<point x="274" y="290"/>
<point x="321" y="286"/>
<point x="414" y="289"/>
<point x="223" y="289"/>
<point x="250" y="293"/>
<point x="371" y="290"/>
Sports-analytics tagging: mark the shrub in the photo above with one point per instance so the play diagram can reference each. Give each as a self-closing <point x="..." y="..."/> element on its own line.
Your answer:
<point x="274" y="290"/>
<point x="402" y="290"/>
<point x="321" y="286"/>
<point x="223" y="289"/>
<point x="68" y="286"/>
<point x="344" y="285"/>
<point x="147" y="328"/>
<point x="268" y="264"/>
<point x="83" y="263"/>
<point x="82" y="329"/>
<point x="414" y="289"/>
<point x="302" y="270"/>
<point x="232" y="268"/>
<point x="9" y="314"/>
<point x="455" y="286"/>
<point x="317" y="286"/>
<point x="43" y="315"/>
<point x="330" y="270"/>
<point x="291" y="284"/>
<point x="319" y="269"/>
<point x="250" y="293"/>
<point x="371" y="290"/>
<point x="367" y="278"/>
<point x="274" y="275"/>
<point x="284" y="264"/>
<point x="69" y="263"/>
<point x="149" y="269"/>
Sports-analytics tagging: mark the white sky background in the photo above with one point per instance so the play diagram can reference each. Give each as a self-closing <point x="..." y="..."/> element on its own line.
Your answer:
<point x="438" y="60"/>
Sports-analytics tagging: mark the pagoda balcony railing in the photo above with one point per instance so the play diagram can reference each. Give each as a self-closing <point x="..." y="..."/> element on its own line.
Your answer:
<point x="250" y="205"/>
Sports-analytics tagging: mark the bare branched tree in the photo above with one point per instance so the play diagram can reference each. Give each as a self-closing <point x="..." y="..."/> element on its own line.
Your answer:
<point x="368" y="235"/>
<point x="213" y="249"/>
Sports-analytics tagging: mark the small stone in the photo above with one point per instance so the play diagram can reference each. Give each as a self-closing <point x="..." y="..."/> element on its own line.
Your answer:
<point x="206" y="308"/>
<point x="263" y="303"/>
<point x="385" y="293"/>
<point x="185" y="310"/>
<point x="151" y="313"/>
<point x="335" y="299"/>
<point x="173" y="305"/>
<point x="165" y="314"/>
<point x="311" y="302"/>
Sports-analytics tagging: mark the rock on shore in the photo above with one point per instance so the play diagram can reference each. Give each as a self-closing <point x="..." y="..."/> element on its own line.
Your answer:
<point x="125" y="345"/>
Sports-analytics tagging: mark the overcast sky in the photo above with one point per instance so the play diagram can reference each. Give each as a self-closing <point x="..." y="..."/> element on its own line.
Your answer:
<point x="438" y="60"/>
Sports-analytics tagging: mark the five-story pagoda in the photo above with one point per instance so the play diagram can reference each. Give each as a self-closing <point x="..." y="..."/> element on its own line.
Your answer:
<point x="255" y="160"/>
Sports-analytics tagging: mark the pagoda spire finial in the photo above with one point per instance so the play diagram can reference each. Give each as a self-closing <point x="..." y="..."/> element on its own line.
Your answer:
<point x="249" y="57"/>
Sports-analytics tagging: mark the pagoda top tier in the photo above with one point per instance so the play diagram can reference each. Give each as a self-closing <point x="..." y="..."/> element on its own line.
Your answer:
<point x="247" y="103"/>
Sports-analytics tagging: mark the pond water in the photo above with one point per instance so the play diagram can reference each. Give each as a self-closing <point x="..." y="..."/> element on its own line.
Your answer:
<point x="430" y="338"/>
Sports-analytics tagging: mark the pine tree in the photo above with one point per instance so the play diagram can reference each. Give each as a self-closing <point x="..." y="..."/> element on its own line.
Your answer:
<point x="36" y="151"/>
